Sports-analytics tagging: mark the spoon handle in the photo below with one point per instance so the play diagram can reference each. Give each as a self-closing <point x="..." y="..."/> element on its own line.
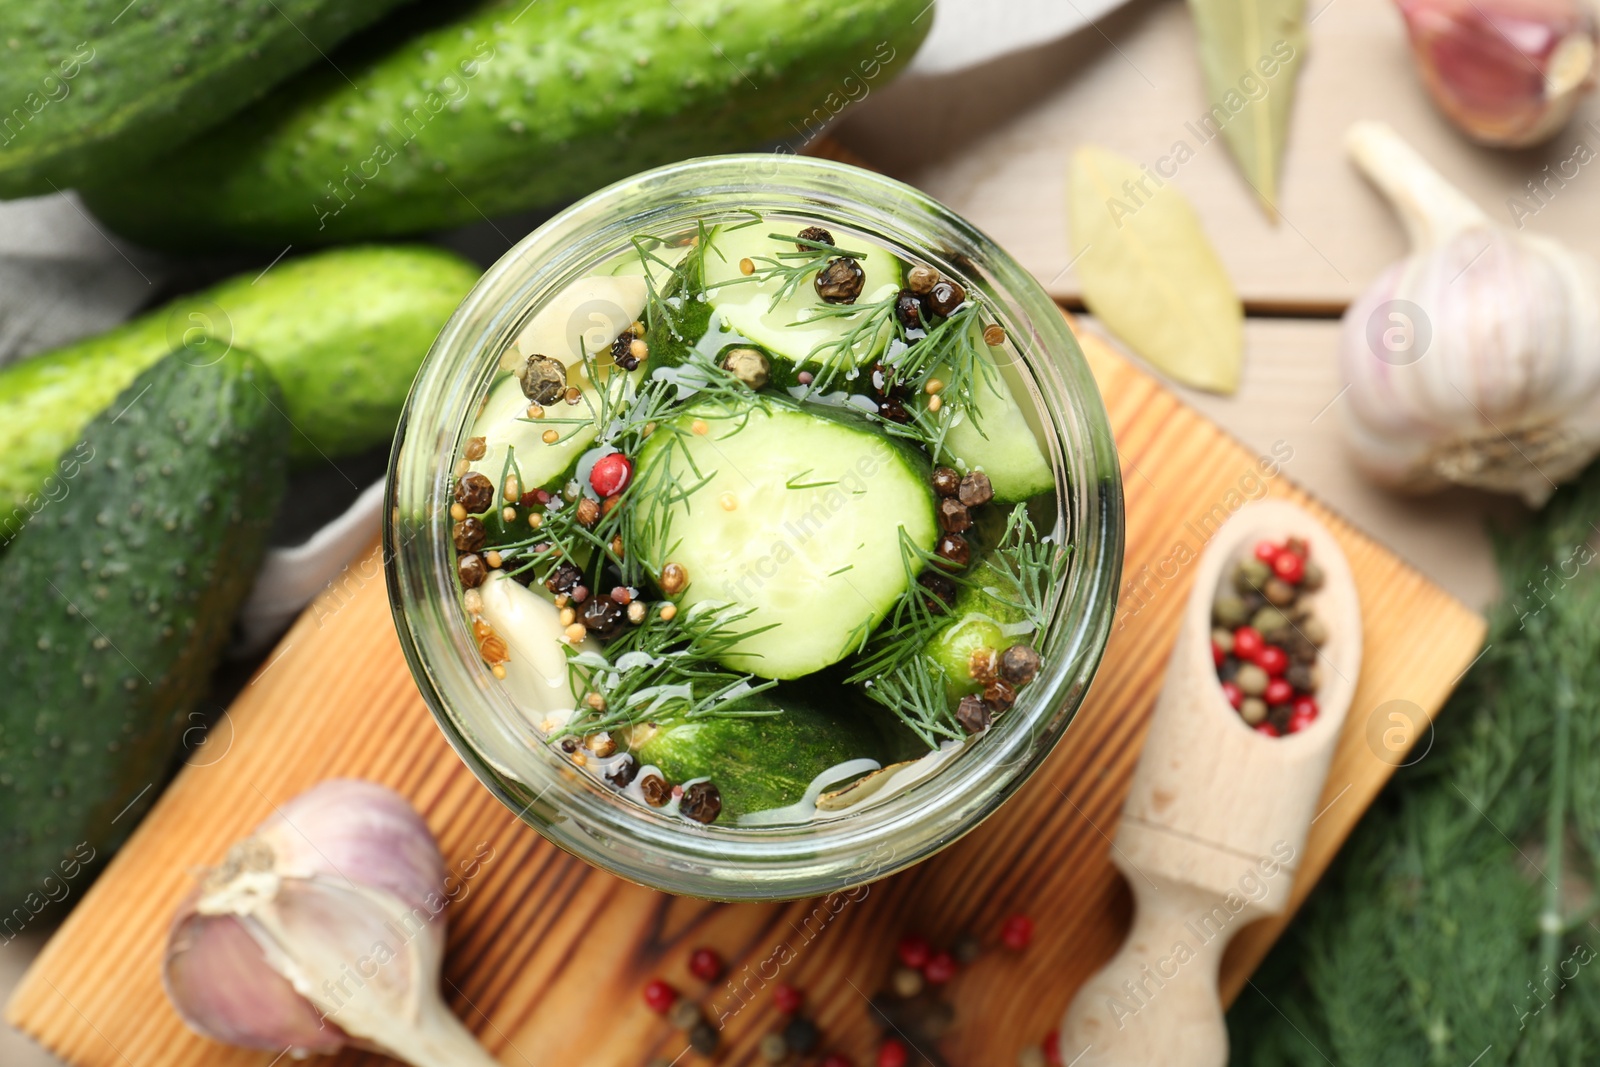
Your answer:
<point x="1156" y="1002"/>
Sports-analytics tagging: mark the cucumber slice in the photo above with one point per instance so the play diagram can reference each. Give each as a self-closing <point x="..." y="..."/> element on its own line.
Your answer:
<point x="791" y="514"/>
<point x="790" y="328"/>
<point x="761" y="763"/>
<point x="1000" y="443"/>
<point x="582" y="319"/>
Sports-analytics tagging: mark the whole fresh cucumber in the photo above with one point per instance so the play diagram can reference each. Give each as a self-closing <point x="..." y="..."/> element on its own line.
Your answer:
<point x="95" y="86"/>
<point x="343" y="332"/>
<point x="119" y="598"/>
<point x="514" y="106"/>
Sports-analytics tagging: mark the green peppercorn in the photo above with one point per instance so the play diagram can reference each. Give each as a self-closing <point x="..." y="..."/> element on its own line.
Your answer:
<point x="1315" y="631"/>
<point x="1230" y="613"/>
<point x="1253" y="710"/>
<point x="1223" y="638"/>
<point x="1251" y="575"/>
<point x="1278" y="592"/>
<point x="1272" y="623"/>
<point x="774" y="1049"/>
<point x="1313" y="578"/>
<point x="1252" y="680"/>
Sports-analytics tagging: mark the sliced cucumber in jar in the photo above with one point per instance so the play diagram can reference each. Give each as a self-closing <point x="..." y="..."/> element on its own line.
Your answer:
<point x="766" y="762"/>
<point x="582" y="321"/>
<point x="792" y="515"/>
<point x="801" y="326"/>
<point x="994" y="436"/>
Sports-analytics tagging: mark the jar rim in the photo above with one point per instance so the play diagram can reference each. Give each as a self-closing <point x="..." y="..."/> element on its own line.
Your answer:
<point x="580" y="814"/>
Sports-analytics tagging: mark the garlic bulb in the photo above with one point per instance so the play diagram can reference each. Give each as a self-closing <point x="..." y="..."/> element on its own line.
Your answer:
<point x="1476" y="360"/>
<point x="1508" y="72"/>
<point x="324" y="928"/>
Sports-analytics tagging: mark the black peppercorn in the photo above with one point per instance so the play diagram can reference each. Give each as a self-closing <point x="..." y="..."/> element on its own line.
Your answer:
<point x="703" y="1039"/>
<point x="973" y="714"/>
<point x="475" y="492"/>
<point x="1019" y="664"/>
<point x="840" y="281"/>
<point x="883" y="379"/>
<point x="563" y="579"/>
<point x="701" y="802"/>
<point x="939" y="586"/>
<point x="801" y="1035"/>
<point x="623" y="773"/>
<point x="816" y="234"/>
<point x="655" y="789"/>
<point x="471" y="571"/>
<point x="890" y="408"/>
<point x="946" y="481"/>
<point x="946" y="296"/>
<point x="908" y="309"/>
<point x="953" y="548"/>
<point x="953" y="515"/>
<point x="999" y="694"/>
<point x="544" y="380"/>
<point x="975" y="490"/>
<point x="603" y="617"/>
<point x="622" y="351"/>
<point x="468" y="535"/>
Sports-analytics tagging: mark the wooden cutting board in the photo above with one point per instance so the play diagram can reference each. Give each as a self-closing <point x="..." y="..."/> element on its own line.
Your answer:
<point x="547" y="955"/>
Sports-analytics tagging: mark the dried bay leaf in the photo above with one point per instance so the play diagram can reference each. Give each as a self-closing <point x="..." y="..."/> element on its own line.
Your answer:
<point x="1149" y="273"/>
<point x="1251" y="51"/>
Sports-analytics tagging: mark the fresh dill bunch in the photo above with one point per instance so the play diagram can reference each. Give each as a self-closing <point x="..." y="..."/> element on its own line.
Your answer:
<point x="839" y="355"/>
<point x="1034" y="568"/>
<point x="1459" y="924"/>
<point x="664" y="668"/>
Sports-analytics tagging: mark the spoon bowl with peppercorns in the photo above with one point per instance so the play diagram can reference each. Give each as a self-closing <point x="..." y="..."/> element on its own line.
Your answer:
<point x="1257" y="690"/>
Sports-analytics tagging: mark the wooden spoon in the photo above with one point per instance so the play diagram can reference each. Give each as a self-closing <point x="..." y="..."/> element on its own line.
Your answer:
<point x="1215" y="821"/>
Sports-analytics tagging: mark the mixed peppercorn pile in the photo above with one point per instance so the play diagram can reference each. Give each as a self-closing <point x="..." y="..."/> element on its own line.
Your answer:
<point x="1266" y="639"/>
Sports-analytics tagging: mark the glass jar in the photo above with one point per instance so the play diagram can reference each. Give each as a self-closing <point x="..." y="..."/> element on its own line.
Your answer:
<point x="582" y="815"/>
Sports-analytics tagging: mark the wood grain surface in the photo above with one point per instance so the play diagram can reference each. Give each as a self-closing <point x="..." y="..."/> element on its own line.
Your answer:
<point x="993" y="143"/>
<point x="547" y="955"/>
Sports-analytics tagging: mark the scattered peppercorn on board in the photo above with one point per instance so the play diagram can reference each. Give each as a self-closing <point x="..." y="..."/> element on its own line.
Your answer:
<point x="548" y="956"/>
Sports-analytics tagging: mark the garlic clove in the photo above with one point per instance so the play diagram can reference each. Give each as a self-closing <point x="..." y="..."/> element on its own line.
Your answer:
<point x="217" y="977"/>
<point x="1507" y="72"/>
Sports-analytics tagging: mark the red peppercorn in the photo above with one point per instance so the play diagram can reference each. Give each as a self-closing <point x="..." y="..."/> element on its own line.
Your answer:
<point x="1217" y="655"/>
<point x="913" y="950"/>
<point x="1266" y="552"/>
<point x="1268" y="729"/>
<point x="1290" y="567"/>
<point x="659" y="995"/>
<point x="611" y="474"/>
<point x="1232" y="694"/>
<point x="1017" y="932"/>
<point x="1306" y="705"/>
<point x="1279" y="691"/>
<point x="1298" y="722"/>
<point x="892" y="1053"/>
<point x="1247" y="643"/>
<point x="1273" y="660"/>
<point x="705" y="965"/>
<point x="1052" y="1048"/>
<point x="835" y="1059"/>
<point x="788" y="999"/>
<point x="940" y="968"/>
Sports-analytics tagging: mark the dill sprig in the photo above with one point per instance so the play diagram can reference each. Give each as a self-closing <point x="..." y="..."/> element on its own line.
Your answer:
<point x="893" y="667"/>
<point x="664" y="668"/>
<point x="841" y="354"/>
<point x="1033" y="568"/>
<point x="792" y="268"/>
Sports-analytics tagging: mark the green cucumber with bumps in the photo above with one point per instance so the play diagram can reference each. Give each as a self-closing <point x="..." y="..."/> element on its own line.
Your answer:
<point x="763" y="762"/>
<point x="510" y="107"/>
<point x="96" y="86"/>
<point x="343" y="332"/>
<point x="119" y="599"/>
<point x="979" y="619"/>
